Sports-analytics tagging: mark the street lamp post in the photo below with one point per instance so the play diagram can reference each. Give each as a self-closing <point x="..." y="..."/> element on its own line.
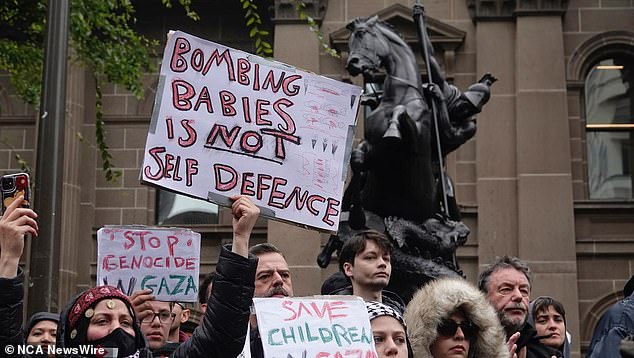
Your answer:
<point x="49" y="169"/>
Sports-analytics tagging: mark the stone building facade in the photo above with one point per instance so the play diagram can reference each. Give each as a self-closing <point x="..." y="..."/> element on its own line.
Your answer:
<point x="525" y="183"/>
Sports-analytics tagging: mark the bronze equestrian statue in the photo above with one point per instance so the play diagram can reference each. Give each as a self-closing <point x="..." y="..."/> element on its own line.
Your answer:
<point x="397" y="174"/>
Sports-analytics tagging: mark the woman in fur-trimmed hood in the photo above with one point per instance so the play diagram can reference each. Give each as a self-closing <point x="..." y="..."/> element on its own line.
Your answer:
<point x="429" y="311"/>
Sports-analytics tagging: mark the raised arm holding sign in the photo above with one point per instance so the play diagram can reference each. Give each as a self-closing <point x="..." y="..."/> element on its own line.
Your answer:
<point x="222" y="332"/>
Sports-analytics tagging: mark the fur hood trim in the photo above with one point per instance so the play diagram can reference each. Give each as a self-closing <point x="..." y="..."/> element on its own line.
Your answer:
<point x="437" y="300"/>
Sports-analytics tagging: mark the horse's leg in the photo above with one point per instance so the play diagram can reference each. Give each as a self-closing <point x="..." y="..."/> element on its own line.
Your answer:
<point x="393" y="130"/>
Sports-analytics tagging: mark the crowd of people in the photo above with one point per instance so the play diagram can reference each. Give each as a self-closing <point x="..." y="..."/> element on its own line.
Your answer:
<point x="448" y="317"/>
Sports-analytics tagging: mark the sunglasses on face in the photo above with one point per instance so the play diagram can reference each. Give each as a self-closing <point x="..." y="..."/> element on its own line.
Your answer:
<point x="448" y="328"/>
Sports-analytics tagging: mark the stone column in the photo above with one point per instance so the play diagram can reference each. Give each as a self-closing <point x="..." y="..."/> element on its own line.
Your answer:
<point x="496" y="137"/>
<point x="300" y="246"/>
<point x="75" y="109"/>
<point x="495" y="144"/>
<point x="546" y="235"/>
<point x="85" y="242"/>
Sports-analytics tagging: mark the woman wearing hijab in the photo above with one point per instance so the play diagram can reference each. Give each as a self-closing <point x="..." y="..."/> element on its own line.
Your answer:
<point x="449" y="317"/>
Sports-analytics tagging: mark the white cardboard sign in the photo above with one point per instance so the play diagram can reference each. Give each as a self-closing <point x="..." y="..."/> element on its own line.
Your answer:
<point x="314" y="327"/>
<point x="165" y="260"/>
<point x="227" y="122"/>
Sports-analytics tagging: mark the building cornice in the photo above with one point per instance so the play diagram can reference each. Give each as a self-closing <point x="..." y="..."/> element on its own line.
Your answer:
<point x="500" y="10"/>
<point x="442" y="35"/>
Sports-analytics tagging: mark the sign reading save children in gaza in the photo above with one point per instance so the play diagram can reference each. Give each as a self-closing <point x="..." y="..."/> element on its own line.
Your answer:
<point x="314" y="327"/>
<point x="165" y="260"/>
<point x="226" y="122"/>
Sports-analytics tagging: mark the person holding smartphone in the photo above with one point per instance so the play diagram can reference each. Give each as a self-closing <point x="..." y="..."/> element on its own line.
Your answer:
<point x="15" y="223"/>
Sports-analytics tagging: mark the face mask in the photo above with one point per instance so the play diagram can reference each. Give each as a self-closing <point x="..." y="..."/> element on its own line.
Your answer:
<point x="120" y="339"/>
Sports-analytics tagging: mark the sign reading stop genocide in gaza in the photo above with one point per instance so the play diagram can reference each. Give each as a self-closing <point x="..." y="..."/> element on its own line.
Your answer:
<point x="226" y="122"/>
<point x="165" y="260"/>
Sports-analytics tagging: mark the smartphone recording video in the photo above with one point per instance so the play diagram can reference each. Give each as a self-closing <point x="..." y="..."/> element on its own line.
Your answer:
<point x="12" y="187"/>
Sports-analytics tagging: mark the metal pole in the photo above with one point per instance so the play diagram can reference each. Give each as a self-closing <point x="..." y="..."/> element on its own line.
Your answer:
<point x="49" y="169"/>
<point x="419" y="18"/>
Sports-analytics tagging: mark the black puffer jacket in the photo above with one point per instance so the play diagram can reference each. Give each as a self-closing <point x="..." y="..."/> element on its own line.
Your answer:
<point x="223" y="330"/>
<point x="11" y="306"/>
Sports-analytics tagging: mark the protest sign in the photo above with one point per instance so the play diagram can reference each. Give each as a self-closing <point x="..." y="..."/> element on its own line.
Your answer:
<point x="165" y="260"/>
<point x="226" y="122"/>
<point x="314" y="327"/>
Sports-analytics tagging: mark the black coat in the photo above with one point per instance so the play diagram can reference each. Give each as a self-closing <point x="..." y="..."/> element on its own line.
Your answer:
<point x="224" y="327"/>
<point x="534" y="348"/>
<point x="11" y="307"/>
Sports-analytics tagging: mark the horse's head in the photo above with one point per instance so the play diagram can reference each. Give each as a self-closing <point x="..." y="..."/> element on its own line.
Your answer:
<point x="368" y="47"/>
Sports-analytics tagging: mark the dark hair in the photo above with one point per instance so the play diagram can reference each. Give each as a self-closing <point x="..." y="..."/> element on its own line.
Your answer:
<point x="264" y="248"/>
<point x="541" y="304"/>
<point x="501" y="263"/>
<point x="356" y="245"/>
<point x="202" y="291"/>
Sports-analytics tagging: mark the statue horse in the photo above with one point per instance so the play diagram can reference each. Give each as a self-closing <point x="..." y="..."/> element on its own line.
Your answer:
<point x="394" y="186"/>
<point x="396" y="153"/>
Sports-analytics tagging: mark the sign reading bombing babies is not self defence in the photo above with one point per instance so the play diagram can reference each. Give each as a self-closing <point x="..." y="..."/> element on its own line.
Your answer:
<point x="226" y="122"/>
<point x="165" y="260"/>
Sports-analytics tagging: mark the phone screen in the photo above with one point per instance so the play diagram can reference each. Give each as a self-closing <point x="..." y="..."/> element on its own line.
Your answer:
<point x="13" y="186"/>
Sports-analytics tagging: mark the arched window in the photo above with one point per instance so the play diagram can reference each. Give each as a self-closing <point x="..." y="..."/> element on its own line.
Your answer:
<point x="609" y="104"/>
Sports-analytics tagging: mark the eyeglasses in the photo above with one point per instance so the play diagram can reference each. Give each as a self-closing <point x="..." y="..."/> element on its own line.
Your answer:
<point x="163" y="316"/>
<point x="448" y="328"/>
